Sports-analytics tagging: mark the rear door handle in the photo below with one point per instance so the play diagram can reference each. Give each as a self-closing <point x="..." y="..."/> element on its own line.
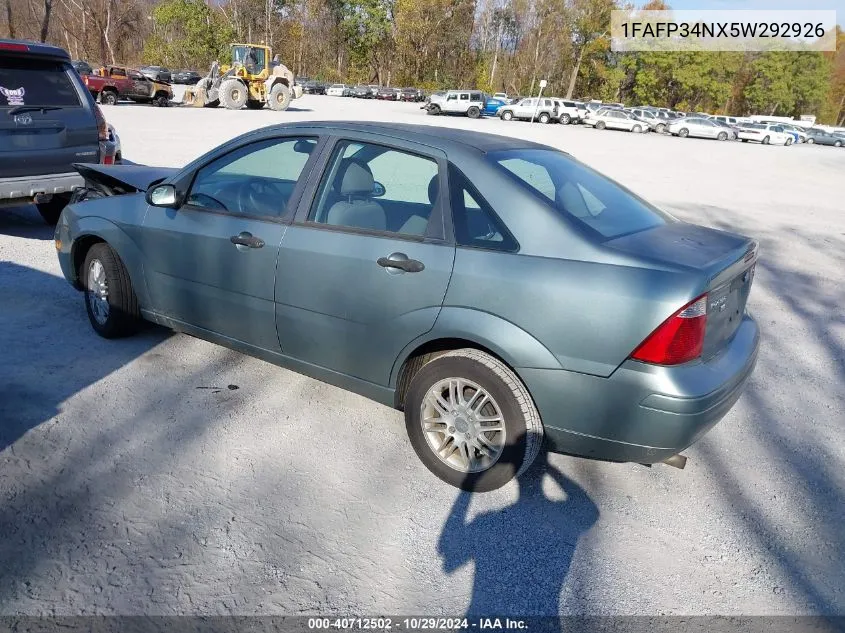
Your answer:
<point x="400" y="261"/>
<point x="246" y="239"/>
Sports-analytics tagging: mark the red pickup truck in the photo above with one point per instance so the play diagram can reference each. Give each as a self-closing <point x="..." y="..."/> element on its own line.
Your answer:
<point x="111" y="83"/>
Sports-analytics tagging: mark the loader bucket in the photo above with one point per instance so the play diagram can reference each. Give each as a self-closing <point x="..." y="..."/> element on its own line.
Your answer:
<point x="194" y="97"/>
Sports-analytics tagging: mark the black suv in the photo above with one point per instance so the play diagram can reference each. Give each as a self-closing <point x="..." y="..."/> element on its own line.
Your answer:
<point x="48" y="121"/>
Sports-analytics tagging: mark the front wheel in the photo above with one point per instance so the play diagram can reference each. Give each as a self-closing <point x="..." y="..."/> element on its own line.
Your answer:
<point x="636" y="129"/>
<point x="109" y="298"/>
<point x="766" y="140"/>
<point x="600" y="125"/>
<point x="471" y="421"/>
<point x="433" y="110"/>
<point x="507" y="116"/>
<point x="788" y="142"/>
<point x="683" y="132"/>
<point x="233" y="94"/>
<point x="108" y="97"/>
<point x="810" y="141"/>
<point x="837" y="144"/>
<point x="473" y="112"/>
<point x="723" y="136"/>
<point x="661" y="127"/>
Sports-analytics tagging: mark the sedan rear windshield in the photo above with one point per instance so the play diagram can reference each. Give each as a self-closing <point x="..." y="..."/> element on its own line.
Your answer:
<point x="35" y="82"/>
<point x="579" y="193"/>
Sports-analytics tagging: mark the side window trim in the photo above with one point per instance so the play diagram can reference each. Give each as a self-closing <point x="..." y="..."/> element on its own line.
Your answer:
<point x="458" y="181"/>
<point x="185" y="182"/>
<point x="438" y="224"/>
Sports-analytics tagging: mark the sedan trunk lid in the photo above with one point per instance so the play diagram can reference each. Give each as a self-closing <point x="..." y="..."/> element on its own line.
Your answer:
<point x="726" y="262"/>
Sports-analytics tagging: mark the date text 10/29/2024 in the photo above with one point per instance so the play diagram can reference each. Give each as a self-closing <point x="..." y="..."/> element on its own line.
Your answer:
<point x="415" y="624"/>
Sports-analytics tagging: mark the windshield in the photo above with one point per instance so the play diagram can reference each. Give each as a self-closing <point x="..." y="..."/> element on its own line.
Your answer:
<point x="250" y="58"/>
<point x="33" y="82"/>
<point x="579" y="193"/>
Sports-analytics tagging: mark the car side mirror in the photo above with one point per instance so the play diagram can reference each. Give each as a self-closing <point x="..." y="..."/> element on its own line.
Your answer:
<point x="163" y="196"/>
<point x="378" y="189"/>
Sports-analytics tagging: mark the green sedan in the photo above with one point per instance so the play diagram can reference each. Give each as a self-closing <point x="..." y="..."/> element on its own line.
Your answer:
<point x="500" y="293"/>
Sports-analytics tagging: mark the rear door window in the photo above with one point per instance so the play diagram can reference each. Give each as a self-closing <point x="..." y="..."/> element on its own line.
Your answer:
<point x="32" y="82"/>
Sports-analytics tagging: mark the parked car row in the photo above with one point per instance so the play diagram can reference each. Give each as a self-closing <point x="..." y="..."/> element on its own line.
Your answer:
<point x="154" y="73"/>
<point x="360" y="91"/>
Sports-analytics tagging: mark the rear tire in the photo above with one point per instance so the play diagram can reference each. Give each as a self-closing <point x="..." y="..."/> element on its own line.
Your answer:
<point x="473" y="112"/>
<point x="108" y="97"/>
<point x="766" y="140"/>
<point x="50" y="211"/>
<point x="683" y="132"/>
<point x="109" y="298"/>
<point x="498" y="455"/>
<point x="280" y="97"/>
<point x="788" y="142"/>
<point x="544" y="118"/>
<point x="162" y="101"/>
<point x="433" y="110"/>
<point x="600" y="125"/>
<point x="565" y="119"/>
<point x="661" y="127"/>
<point x="233" y="94"/>
<point x="837" y="144"/>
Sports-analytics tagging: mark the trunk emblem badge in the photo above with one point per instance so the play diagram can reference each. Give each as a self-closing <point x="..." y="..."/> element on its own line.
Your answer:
<point x="23" y="119"/>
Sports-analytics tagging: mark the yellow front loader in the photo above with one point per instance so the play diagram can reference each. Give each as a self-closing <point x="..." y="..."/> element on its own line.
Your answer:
<point x="251" y="80"/>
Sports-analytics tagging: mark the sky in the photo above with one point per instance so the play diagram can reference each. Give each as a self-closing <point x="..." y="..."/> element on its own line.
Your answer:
<point x="837" y="5"/>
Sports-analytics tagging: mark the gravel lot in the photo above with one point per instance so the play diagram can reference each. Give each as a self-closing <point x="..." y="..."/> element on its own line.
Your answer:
<point x="135" y="480"/>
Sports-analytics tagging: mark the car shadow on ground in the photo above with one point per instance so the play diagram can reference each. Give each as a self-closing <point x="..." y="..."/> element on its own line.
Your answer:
<point x="24" y="222"/>
<point x="521" y="552"/>
<point x="793" y="408"/>
<point x="50" y="351"/>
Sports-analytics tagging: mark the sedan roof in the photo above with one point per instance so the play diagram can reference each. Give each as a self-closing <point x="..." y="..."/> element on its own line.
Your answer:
<point x="426" y="134"/>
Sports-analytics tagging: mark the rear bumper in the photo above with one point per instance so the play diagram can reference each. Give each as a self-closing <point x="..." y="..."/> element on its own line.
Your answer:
<point x="23" y="189"/>
<point x="642" y="413"/>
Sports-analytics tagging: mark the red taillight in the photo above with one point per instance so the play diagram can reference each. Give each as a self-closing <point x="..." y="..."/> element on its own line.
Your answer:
<point x="679" y="339"/>
<point x="102" y="126"/>
<point x="108" y="160"/>
<point x="7" y="46"/>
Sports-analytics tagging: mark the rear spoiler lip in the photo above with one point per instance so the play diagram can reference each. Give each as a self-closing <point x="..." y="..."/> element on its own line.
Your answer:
<point x="740" y="264"/>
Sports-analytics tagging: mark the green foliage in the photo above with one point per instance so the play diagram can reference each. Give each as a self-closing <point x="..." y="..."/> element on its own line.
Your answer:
<point x="187" y="34"/>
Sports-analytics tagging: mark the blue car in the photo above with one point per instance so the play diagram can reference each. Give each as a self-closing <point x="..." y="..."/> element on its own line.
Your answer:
<point x="492" y="105"/>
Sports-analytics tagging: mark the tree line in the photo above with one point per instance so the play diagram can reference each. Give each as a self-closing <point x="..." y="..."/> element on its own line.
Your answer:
<point x="494" y="45"/>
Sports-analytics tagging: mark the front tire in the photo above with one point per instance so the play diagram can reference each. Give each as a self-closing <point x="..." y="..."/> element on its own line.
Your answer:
<point x="433" y="110"/>
<point x="50" y="211"/>
<point x="766" y="140"/>
<point x="280" y="97"/>
<point x="507" y="116"/>
<point x="723" y="136"/>
<point x="636" y="129"/>
<point x="600" y="125"/>
<point x="233" y="94"/>
<point x="109" y="298"/>
<point x="810" y="141"/>
<point x="837" y="144"/>
<point x="471" y="421"/>
<point x="661" y="127"/>
<point x="683" y="132"/>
